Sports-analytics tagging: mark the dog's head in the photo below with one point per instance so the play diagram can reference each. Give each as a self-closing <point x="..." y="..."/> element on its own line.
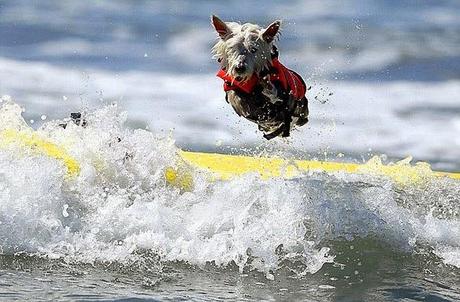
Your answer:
<point x="244" y="49"/>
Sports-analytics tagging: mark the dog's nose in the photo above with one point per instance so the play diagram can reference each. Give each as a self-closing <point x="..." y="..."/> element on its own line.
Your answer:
<point x="240" y="68"/>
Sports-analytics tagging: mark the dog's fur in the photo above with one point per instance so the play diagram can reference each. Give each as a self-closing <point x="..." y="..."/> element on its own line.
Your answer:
<point x="244" y="50"/>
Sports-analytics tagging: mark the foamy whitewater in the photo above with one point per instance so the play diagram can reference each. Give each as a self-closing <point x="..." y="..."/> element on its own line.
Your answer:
<point x="121" y="208"/>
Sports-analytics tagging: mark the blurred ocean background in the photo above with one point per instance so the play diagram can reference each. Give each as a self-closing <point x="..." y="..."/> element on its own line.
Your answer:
<point x="393" y="69"/>
<point x="385" y="78"/>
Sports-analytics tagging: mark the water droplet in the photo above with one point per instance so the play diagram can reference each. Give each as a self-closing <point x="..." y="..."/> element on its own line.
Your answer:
<point x="64" y="210"/>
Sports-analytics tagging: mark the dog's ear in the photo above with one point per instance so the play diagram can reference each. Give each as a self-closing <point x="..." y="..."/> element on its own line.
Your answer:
<point x="270" y="32"/>
<point x="220" y="26"/>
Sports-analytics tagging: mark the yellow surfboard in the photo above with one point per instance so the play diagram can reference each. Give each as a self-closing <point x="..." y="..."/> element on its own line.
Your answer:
<point x="34" y="142"/>
<point x="224" y="166"/>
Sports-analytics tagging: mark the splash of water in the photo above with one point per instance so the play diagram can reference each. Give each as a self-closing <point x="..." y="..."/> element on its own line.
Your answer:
<point x="120" y="205"/>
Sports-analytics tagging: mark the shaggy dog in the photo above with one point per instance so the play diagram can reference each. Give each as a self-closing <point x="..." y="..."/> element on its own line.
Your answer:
<point x="257" y="85"/>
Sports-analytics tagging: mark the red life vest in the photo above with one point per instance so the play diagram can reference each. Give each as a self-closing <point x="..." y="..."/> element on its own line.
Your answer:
<point x="290" y="80"/>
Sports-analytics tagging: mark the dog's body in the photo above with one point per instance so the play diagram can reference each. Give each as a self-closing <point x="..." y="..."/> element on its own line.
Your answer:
<point x="257" y="85"/>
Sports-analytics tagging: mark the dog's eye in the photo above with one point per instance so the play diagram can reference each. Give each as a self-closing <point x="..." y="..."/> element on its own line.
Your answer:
<point x="253" y="50"/>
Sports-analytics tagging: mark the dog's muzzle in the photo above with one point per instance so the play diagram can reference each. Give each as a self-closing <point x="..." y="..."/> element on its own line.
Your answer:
<point x="240" y="68"/>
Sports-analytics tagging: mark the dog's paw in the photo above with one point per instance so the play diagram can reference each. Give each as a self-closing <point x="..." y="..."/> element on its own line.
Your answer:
<point x="269" y="90"/>
<point x="268" y="85"/>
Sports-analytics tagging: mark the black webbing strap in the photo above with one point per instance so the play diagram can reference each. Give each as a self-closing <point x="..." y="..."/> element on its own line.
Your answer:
<point x="287" y="118"/>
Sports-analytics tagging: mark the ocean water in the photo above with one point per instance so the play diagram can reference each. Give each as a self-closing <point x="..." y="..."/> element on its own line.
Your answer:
<point x="385" y="79"/>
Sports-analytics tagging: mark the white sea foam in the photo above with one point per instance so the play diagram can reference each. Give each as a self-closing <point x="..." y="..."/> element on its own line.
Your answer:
<point x="120" y="205"/>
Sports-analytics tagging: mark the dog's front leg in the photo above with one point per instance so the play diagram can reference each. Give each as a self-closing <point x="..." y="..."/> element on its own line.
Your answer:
<point x="269" y="90"/>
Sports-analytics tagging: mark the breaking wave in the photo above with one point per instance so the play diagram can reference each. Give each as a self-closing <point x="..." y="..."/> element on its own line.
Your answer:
<point x="120" y="207"/>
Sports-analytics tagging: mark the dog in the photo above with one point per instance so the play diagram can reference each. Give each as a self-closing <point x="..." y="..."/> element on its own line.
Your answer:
<point x="257" y="85"/>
